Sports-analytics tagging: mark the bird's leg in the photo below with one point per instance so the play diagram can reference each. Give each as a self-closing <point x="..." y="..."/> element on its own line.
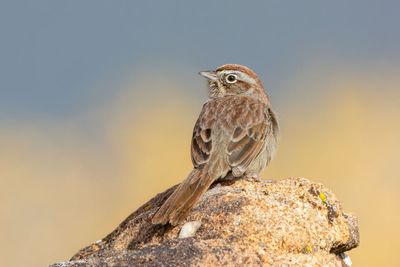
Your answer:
<point x="258" y="179"/>
<point x="255" y="177"/>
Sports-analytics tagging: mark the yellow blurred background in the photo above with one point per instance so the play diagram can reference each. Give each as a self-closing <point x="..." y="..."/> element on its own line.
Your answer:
<point x="63" y="191"/>
<point x="98" y="100"/>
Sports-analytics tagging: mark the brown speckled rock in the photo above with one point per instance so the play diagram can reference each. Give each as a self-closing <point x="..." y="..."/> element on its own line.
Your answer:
<point x="293" y="222"/>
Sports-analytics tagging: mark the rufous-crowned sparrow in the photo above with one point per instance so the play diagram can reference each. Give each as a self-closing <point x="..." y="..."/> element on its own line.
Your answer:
<point x="235" y="135"/>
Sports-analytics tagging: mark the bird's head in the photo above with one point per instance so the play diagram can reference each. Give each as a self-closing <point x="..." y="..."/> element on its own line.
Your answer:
<point x="233" y="79"/>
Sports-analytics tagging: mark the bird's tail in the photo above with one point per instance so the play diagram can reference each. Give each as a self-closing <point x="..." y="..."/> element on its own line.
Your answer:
<point x="177" y="206"/>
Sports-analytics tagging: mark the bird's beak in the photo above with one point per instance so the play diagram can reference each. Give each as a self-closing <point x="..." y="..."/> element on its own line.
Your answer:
<point x="209" y="74"/>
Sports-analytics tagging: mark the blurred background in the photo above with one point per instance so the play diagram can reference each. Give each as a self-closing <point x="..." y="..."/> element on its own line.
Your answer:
<point x="98" y="100"/>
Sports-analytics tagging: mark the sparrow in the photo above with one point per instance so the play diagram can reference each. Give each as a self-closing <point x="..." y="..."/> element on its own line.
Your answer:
<point x="236" y="135"/>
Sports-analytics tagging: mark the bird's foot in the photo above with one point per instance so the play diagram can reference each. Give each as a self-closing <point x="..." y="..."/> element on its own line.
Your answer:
<point x="258" y="179"/>
<point x="255" y="178"/>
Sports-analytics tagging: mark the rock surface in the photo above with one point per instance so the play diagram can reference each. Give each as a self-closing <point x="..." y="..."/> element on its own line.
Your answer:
<point x="292" y="222"/>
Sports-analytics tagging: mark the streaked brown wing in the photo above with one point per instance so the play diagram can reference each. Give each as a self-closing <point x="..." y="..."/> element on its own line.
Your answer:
<point x="201" y="146"/>
<point x="241" y="152"/>
<point x="248" y="139"/>
<point x="230" y="133"/>
<point x="201" y="140"/>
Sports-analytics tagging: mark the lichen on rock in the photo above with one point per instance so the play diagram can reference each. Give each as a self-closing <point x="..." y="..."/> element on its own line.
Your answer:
<point x="292" y="222"/>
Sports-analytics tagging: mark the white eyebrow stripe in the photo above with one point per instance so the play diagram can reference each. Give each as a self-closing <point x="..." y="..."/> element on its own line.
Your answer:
<point x="242" y="76"/>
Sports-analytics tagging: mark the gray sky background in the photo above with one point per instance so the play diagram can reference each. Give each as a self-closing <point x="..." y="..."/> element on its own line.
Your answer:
<point x="54" y="54"/>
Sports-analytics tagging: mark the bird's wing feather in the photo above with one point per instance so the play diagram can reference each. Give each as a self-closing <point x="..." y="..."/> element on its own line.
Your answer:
<point x="248" y="138"/>
<point x="201" y="140"/>
<point x="232" y="134"/>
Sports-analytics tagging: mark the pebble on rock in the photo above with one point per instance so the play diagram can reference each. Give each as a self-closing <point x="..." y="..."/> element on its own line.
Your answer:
<point x="189" y="229"/>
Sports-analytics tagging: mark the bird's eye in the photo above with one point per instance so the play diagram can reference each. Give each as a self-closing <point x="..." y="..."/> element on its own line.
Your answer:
<point x="231" y="78"/>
